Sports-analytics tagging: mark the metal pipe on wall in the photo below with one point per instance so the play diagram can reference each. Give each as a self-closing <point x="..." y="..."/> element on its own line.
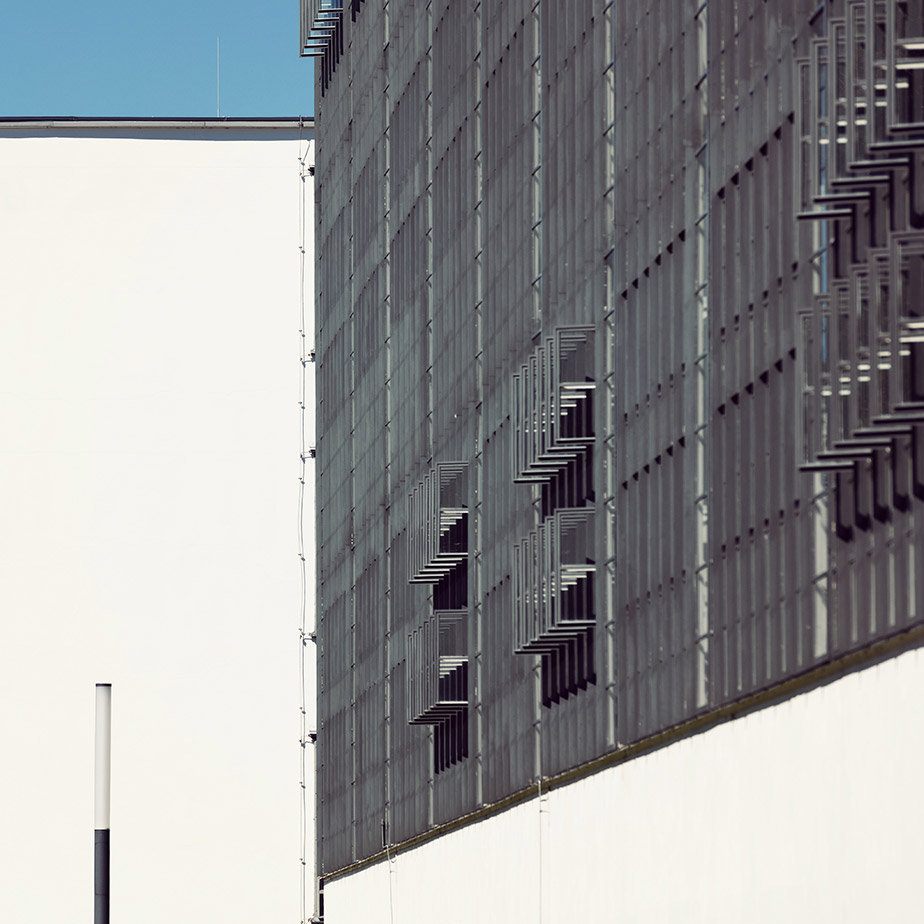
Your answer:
<point x="101" y="808"/>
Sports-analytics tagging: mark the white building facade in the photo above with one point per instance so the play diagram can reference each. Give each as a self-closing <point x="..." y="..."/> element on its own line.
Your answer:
<point x="154" y="278"/>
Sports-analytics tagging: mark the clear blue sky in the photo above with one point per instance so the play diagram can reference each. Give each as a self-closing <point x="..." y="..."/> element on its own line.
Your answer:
<point x="122" y="58"/>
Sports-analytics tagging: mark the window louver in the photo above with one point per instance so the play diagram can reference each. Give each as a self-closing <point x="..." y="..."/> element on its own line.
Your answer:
<point x="861" y="161"/>
<point x="437" y="684"/>
<point x="552" y="581"/>
<point x="438" y="523"/>
<point x="318" y="19"/>
<point x="437" y="667"/>
<point x="552" y="407"/>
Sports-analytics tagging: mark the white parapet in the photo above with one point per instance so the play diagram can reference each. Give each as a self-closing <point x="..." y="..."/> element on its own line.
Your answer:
<point x="802" y="811"/>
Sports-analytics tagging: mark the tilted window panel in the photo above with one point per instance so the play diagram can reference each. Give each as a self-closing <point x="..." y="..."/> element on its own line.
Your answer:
<point x="872" y="293"/>
<point x="905" y="89"/>
<point x="817" y="380"/>
<point x="437" y="677"/>
<point x="861" y="163"/>
<point x="877" y="68"/>
<point x="820" y="102"/>
<point x="838" y="77"/>
<point x="863" y="355"/>
<point x="807" y="187"/>
<point x="860" y="107"/>
<point x="906" y="316"/>
<point x="552" y="580"/>
<point x="318" y="19"/>
<point x="438" y="523"/>
<point x="552" y="404"/>
<point x="840" y="361"/>
<point x="858" y="93"/>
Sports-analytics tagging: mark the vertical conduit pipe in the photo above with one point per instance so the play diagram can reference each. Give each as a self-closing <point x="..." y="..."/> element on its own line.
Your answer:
<point x="101" y="808"/>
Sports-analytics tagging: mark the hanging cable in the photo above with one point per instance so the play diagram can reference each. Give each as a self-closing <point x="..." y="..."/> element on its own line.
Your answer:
<point x="391" y="872"/>
<point x="306" y="453"/>
<point x="303" y="806"/>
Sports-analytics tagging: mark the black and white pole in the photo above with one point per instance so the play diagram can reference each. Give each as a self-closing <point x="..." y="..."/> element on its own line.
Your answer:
<point x="101" y="811"/>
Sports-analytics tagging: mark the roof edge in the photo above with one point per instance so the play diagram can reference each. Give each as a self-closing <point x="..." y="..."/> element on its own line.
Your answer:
<point x="227" y="122"/>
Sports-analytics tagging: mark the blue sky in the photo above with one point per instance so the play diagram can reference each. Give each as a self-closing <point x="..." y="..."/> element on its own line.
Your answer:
<point x="118" y="58"/>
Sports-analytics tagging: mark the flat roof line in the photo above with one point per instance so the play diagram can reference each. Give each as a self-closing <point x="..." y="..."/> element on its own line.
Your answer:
<point x="155" y="122"/>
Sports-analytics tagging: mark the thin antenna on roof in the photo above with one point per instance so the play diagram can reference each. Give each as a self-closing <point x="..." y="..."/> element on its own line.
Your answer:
<point x="218" y="76"/>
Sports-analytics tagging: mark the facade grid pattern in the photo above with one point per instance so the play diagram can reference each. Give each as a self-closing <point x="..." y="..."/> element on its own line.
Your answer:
<point x="491" y="177"/>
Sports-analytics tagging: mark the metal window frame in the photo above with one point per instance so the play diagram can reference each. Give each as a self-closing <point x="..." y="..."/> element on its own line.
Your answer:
<point x="318" y="20"/>
<point x="554" y="381"/>
<point x="435" y="649"/>
<point x="437" y="504"/>
<point x="545" y="565"/>
<point x="906" y="329"/>
<point x="904" y="67"/>
<point x="849" y="88"/>
<point x="855" y="66"/>
<point x="858" y="90"/>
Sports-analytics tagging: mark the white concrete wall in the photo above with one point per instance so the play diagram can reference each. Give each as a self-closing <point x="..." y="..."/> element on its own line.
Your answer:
<point x="807" y="811"/>
<point x="149" y="434"/>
